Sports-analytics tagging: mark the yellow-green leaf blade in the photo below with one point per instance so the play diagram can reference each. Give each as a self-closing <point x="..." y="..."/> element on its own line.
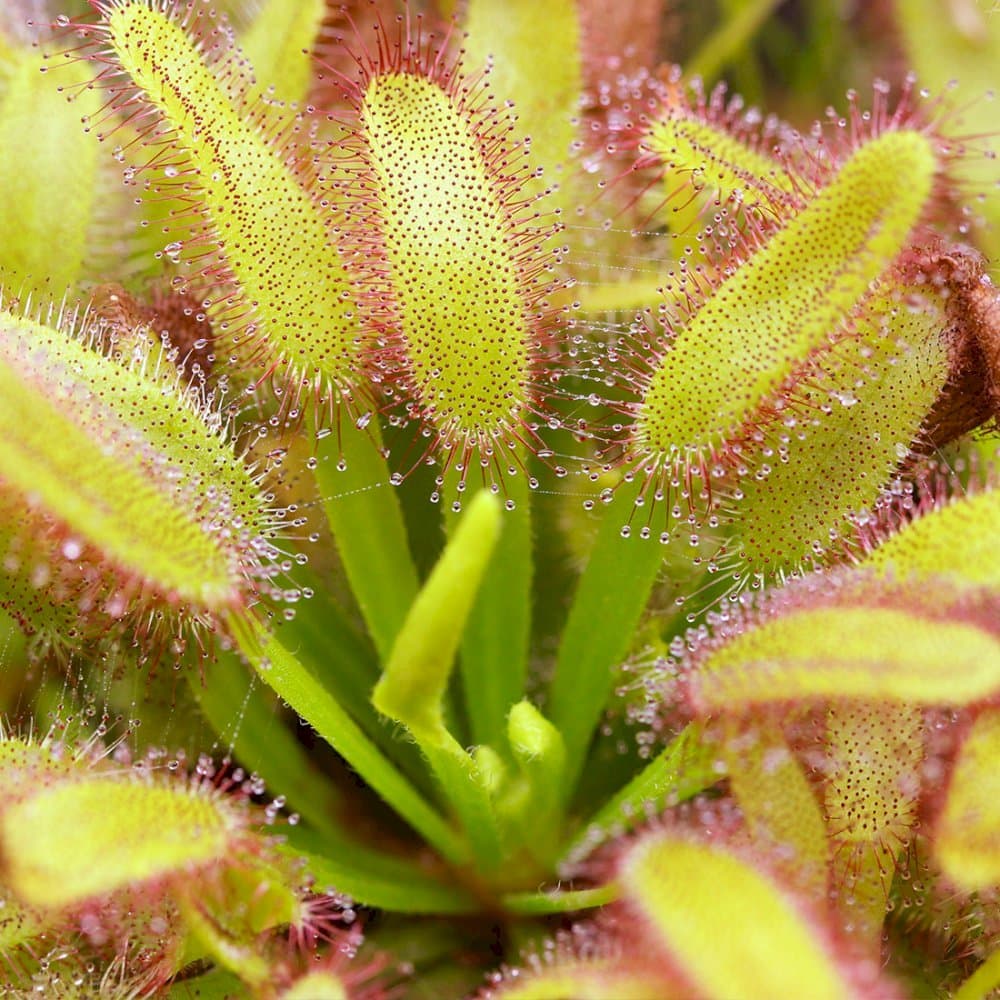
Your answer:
<point x="278" y="45"/>
<point x="462" y="307"/>
<point x="967" y="838"/>
<point x="536" y="63"/>
<point x="787" y="298"/>
<point x="87" y="838"/>
<point x="874" y="390"/>
<point x="126" y="465"/>
<point x="865" y="653"/>
<point x="293" y="305"/>
<point x="689" y="892"/>
<point x="957" y="539"/>
<point x="47" y="207"/>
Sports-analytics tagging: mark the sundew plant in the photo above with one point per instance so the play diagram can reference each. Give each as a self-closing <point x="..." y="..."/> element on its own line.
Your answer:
<point x="499" y="499"/>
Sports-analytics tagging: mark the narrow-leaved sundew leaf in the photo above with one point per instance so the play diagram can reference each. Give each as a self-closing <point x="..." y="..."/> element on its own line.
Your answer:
<point x="121" y="496"/>
<point x="967" y="838"/>
<point x="464" y="260"/>
<point x="117" y="833"/>
<point x="843" y="438"/>
<point x="957" y="537"/>
<point x="47" y="209"/>
<point x="754" y="326"/>
<point x="866" y="646"/>
<point x="751" y="336"/>
<point x="131" y="867"/>
<point x="870" y="796"/>
<point x="684" y="892"/>
<point x="712" y="152"/>
<point x="261" y="237"/>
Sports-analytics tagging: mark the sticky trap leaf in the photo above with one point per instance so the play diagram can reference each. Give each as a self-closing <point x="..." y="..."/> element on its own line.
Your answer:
<point x="877" y="654"/>
<point x="88" y="838"/>
<point x="967" y="838"/>
<point x="955" y="538"/>
<point x="284" y="299"/>
<point x="462" y="266"/>
<point x="686" y="892"/>
<point x="788" y="296"/>
<point x="841" y="444"/>
<point x="130" y="493"/>
<point x="870" y="797"/>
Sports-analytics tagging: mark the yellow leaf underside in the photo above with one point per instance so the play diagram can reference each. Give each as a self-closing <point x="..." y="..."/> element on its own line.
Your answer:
<point x="317" y="986"/>
<point x="967" y="840"/>
<point x="955" y="50"/>
<point x="594" y="980"/>
<point x="777" y="801"/>
<point x="278" y="45"/>
<point x="48" y="181"/>
<point x="536" y="65"/>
